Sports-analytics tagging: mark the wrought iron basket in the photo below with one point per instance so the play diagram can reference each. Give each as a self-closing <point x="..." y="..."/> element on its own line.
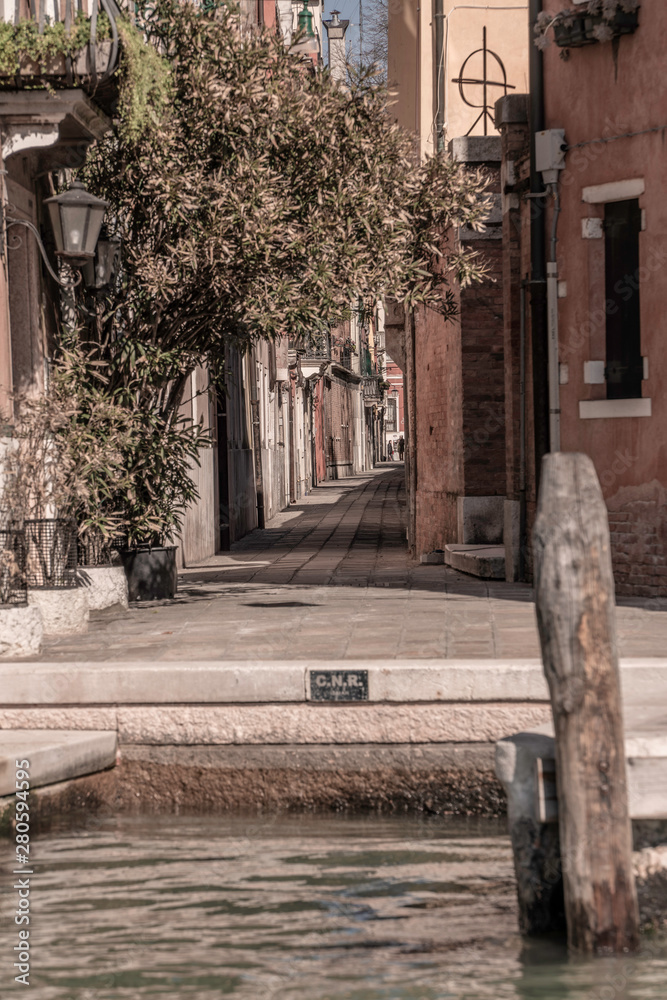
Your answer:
<point x="13" y="584"/>
<point x="51" y="545"/>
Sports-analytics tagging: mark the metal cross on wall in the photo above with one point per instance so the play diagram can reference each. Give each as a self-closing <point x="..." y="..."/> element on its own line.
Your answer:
<point x="462" y="80"/>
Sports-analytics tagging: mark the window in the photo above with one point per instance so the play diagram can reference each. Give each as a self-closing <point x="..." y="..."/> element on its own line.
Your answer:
<point x="624" y="366"/>
<point x="390" y="424"/>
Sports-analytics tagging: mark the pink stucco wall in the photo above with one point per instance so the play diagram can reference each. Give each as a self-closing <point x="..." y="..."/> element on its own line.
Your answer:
<point x="605" y="91"/>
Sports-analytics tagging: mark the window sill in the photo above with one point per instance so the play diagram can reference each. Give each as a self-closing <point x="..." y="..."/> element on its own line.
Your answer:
<point x="590" y="409"/>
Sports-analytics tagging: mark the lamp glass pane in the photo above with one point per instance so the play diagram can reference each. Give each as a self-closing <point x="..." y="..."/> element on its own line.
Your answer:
<point x="74" y="219"/>
<point x="94" y="225"/>
<point x="54" y="212"/>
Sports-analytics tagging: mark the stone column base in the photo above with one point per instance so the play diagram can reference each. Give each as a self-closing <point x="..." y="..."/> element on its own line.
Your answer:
<point x="512" y="539"/>
<point x="480" y="520"/>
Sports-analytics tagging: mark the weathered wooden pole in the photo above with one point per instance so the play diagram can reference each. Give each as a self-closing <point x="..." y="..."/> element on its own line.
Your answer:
<point x="575" y="614"/>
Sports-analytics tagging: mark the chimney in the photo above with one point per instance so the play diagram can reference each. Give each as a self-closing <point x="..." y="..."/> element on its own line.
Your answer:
<point x="336" y="46"/>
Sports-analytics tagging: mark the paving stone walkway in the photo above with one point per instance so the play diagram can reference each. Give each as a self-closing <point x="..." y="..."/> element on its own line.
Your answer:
<point x="330" y="578"/>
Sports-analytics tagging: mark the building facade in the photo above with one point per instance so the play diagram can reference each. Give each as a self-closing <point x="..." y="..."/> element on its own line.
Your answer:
<point x="449" y="63"/>
<point x="602" y="161"/>
<point x="288" y="416"/>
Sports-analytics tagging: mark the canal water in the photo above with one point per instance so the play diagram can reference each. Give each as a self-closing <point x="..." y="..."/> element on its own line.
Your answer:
<point x="292" y="908"/>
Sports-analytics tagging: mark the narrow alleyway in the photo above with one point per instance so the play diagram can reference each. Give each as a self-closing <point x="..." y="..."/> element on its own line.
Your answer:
<point x="330" y="579"/>
<point x="349" y="532"/>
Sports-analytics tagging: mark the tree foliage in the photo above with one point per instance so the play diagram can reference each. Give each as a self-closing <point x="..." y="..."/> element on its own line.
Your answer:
<point x="85" y="450"/>
<point x="266" y="194"/>
<point x="254" y="202"/>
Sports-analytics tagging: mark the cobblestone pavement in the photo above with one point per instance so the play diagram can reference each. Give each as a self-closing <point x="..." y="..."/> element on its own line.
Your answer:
<point x="330" y="578"/>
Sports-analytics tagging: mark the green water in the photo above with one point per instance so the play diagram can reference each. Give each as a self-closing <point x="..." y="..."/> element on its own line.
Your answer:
<point x="307" y="908"/>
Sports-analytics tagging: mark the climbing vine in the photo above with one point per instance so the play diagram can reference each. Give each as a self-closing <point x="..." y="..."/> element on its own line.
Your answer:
<point x="145" y="83"/>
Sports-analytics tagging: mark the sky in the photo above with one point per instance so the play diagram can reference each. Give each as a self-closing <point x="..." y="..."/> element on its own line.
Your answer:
<point x="349" y="11"/>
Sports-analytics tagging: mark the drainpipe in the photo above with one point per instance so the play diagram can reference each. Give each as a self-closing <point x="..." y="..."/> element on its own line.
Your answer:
<point x="257" y="443"/>
<point x="522" y="430"/>
<point x="440" y="75"/>
<point x="552" y="328"/>
<point x="410" y="419"/>
<point x="292" y="437"/>
<point x="537" y="254"/>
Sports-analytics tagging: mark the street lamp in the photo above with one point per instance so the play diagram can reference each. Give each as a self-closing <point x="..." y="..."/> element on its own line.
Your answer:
<point x="76" y="217"/>
<point x="305" y="20"/>
<point x="309" y="44"/>
<point x="98" y="272"/>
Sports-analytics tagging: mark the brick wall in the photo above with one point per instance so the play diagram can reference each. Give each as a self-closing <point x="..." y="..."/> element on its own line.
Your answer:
<point x="438" y="429"/>
<point x="638" y="528"/>
<point x="460" y="386"/>
<point x="637" y="511"/>
<point x="484" y="379"/>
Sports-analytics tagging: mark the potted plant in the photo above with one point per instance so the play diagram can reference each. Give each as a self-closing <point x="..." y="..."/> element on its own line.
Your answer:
<point x="64" y="474"/>
<point x="35" y="498"/>
<point x="595" y="21"/>
<point x="161" y="490"/>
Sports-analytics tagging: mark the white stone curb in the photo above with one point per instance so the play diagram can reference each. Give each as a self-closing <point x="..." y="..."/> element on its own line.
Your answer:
<point x="263" y="682"/>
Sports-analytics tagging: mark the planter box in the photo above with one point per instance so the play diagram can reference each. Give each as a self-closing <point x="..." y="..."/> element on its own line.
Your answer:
<point x="151" y="573"/>
<point x="572" y="36"/>
<point x="105" y="586"/>
<point x="580" y="31"/>
<point x="21" y="631"/>
<point x="82" y="60"/>
<point x="53" y="66"/>
<point x="64" y="611"/>
<point x="56" y="66"/>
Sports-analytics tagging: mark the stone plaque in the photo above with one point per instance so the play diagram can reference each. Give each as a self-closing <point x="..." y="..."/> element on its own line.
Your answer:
<point x="339" y="685"/>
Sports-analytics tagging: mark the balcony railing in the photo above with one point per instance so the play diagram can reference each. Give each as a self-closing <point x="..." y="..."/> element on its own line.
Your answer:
<point x="345" y="359"/>
<point x="88" y="49"/>
<point x="316" y="349"/>
<point x="371" y="387"/>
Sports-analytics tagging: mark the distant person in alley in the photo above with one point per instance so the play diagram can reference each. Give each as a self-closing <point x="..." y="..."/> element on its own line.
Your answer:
<point x="401" y="448"/>
<point x="390" y="451"/>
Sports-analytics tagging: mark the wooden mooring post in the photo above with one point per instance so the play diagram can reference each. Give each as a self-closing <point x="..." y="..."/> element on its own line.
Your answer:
<point x="575" y="614"/>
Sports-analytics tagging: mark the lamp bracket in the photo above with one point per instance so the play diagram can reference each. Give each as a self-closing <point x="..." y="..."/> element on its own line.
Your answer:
<point x="9" y="221"/>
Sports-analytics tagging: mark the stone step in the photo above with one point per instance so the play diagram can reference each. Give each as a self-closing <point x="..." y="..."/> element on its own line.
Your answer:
<point x="485" y="561"/>
<point x="53" y="756"/>
<point x="526" y="766"/>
